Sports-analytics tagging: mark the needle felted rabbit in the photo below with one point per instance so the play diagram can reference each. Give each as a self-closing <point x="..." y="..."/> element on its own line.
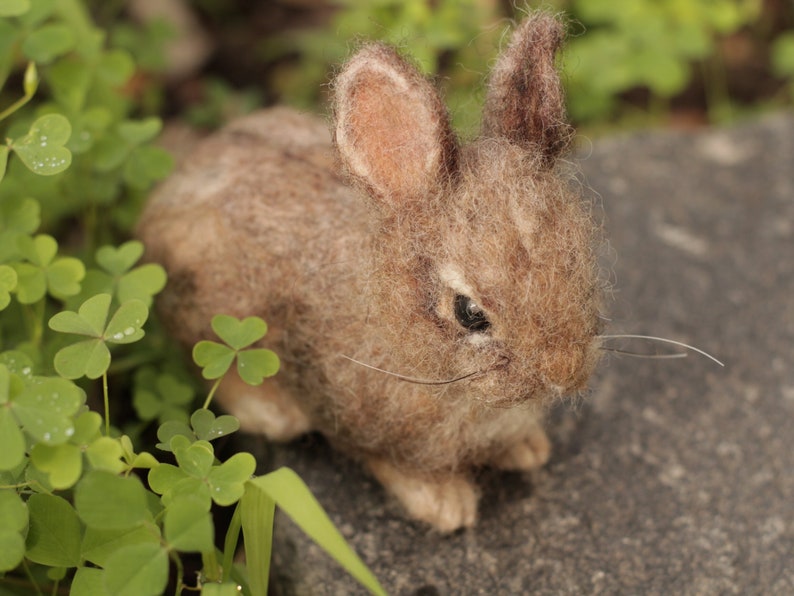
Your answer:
<point x="427" y="298"/>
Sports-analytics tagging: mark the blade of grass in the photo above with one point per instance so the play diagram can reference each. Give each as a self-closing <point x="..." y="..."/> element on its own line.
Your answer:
<point x="230" y="544"/>
<point x="285" y="488"/>
<point x="257" y="510"/>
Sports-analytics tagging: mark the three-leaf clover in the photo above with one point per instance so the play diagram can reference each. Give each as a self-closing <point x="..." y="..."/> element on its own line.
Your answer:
<point x="91" y="357"/>
<point x="160" y="396"/>
<point x="204" y="426"/>
<point x="197" y="477"/>
<point x="253" y="364"/>
<point x="44" y="272"/>
<point x="118" y="277"/>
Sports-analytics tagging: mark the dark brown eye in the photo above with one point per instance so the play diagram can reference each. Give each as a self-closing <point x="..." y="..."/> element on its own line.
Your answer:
<point x="470" y="315"/>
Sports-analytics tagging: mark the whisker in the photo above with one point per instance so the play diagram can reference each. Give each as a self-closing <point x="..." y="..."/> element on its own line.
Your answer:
<point x="648" y="356"/>
<point x="411" y="379"/>
<point x="663" y="340"/>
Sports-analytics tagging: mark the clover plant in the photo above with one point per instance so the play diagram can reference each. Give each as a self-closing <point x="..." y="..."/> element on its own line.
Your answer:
<point x="86" y="505"/>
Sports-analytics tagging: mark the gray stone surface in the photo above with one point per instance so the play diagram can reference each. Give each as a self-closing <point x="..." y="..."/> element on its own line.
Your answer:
<point x="674" y="476"/>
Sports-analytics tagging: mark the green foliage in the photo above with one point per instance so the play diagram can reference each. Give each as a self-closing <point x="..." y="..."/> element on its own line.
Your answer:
<point x="643" y="43"/>
<point x="443" y="36"/>
<point x="285" y="489"/>
<point x="783" y="59"/>
<point x="42" y="149"/>
<point x="83" y="507"/>
<point x="91" y="357"/>
<point x="656" y="48"/>
<point x="253" y="365"/>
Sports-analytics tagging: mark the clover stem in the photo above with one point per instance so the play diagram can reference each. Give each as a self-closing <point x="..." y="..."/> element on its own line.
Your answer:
<point x="90" y="226"/>
<point x="180" y="572"/>
<point x="35" y="318"/>
<point x="211" y="570"/>
<point x="212" y="393"/>
<point x="31" y="82"/>
<point x="107" y="402"/>
<point x="31" y="579"/>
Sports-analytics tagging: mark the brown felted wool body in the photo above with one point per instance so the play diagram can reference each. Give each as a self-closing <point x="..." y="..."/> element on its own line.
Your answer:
<point x="467" y="272"/>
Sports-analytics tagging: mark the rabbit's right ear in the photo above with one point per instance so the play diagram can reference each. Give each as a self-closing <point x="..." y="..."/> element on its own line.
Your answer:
<point x="525" y="102"/>
<point x="392" y="129"/>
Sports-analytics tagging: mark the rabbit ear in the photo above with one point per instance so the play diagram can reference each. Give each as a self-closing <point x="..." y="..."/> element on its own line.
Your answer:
<point x="525" y="101"/>
<point x="392" y="129"/>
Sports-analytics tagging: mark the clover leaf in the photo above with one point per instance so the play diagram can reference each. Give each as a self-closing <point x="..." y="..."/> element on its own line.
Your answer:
<point x="118" y="261"/>
<point x="45" y="409"/>
<point x="13" y="525"/>
<point x="170" y="429"/>
<point x="227" y="481"/>
<point x="105" y="453"/>
<point x="118" y="277"/>
<point x="105" y="501"/>
<point x="44" y="272"/>
<point x="42" y="149"/>
<point x="137" y="132"/>
<point x="207" y="427"/>
<point x="136" y="460"/>
<point x="54" y="531"/>
<point x="63" y="463"/>
<point x="146" y="165"/>
<point x="204" y="426"/>
<point x="14" y="8"/>
<point x="253" y="365"/>
<point x="8" y="282"/>
<point x="18" y="217"/>
<point x="12" y="441"/>
<point x="4" y="150"/>
<point x="48" y="42"/>
<point x="91" y="357"/>
<point x="160" y="396"/>
<point x="195" y="459"/>
<point x="198" y="478"/>
<point x="188" y="527"/>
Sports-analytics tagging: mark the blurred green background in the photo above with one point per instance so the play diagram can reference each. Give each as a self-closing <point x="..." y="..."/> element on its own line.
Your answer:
<point x="632" y="63"/>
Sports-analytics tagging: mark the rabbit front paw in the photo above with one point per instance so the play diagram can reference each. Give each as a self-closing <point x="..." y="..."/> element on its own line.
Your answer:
<point x="263" y="409"/>
<point x="447" y="504"/>
<point x="529" y="454"/>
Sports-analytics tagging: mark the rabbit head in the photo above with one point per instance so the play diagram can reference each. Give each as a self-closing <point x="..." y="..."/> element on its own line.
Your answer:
<point x="484" y="259"/>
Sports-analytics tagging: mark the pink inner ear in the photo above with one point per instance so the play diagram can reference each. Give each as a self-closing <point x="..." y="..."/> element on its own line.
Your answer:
<point x="392" y="129"/>
<point x="392" y="138"/>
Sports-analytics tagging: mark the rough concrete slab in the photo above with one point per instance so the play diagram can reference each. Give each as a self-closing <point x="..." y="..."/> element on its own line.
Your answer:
<point x="675" y="476"/>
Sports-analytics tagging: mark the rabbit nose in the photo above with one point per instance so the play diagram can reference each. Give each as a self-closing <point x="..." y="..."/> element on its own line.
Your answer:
<point x="567" y="369"/>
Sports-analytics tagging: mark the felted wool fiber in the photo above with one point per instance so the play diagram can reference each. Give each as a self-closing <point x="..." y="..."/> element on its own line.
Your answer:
<point x="466" y="271"/>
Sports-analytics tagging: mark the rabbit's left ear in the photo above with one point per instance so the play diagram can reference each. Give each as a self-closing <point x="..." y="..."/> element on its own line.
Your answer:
<point x="525" y="102"/>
